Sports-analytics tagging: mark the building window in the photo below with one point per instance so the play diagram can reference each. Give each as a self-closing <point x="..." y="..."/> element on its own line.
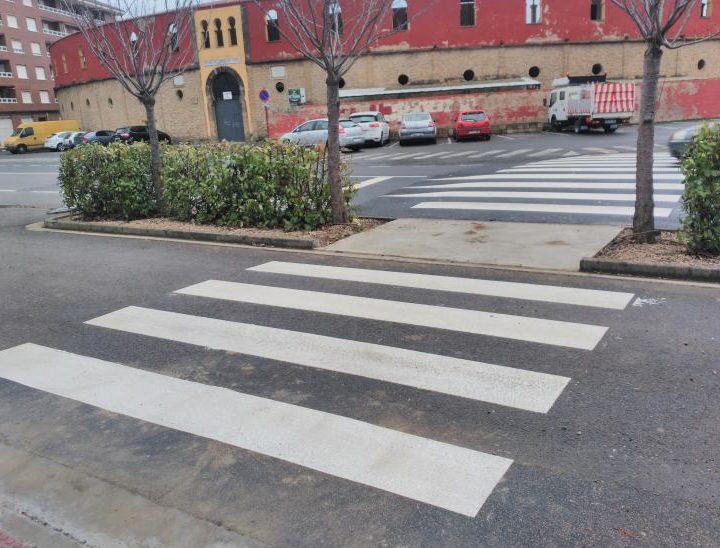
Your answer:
<point x="26" y="97"/>
<point x="272" y="27"/>
<point x="219" y="41"/>
<point x="467" y="13"/>
<point x="63" y="60"/>
<point x="705" y="8"/>
<point x="533" y="13"/>
<point x="335" y="17"/>
<point x="399" y="15"/>
<point x="133" y="47"/>
<point x="31" y="24"/>
<point x="27" y="3"/>
<point x="40" y="73"/>
<point x="205" y="33"/>
<point x="16" y="46"/>
<point x="83" y="60"/>
<point x="597" y="10"/>
<point x="21" y="72"/>
<point x="35" y="49"/>
<point x="44" y="97"/>
<point x="172" y="37"/>
<point x="232" y="31"/>
<point x="12" y="21"/>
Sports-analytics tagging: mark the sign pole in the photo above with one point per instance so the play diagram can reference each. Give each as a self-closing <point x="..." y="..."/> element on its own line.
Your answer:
<point x="267" y="123"/>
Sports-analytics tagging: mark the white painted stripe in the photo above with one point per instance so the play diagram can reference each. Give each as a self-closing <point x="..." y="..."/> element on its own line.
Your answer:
<point x="545" y="152"/>
<point x="584" y="169"/>
<point x="609" y="165"/>
<point x="603" y="197"/>
<point x="30" y="173"/>
<point x="539" y="208"/>
<point x="514" y="153"/>
<point x="599" y="150"/>
<point x="490" y="383"/>
<point x="624" y="147"/>
<point x="540" y="177"/>
<point x="430" y="155"/>
<point x="486" y="153"/>
<point x="440" y="474"/>
<point x="471" y="286"/>
<point x="577" y="186"/>
<point x="506" y="137"/>
<point x="456" y="154"/>
<point x="372" y="181"/>
<point x="598" y="162"/>
<point x="404" y="156"/>
<point x="505" y="326"/>
<point x="571" y="153"/>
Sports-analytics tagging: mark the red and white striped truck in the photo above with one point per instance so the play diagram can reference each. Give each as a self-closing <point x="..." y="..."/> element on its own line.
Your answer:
<point x="586" y="102"/>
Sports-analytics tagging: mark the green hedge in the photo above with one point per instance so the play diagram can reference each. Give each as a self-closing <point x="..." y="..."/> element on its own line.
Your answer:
<point x="263" y="185"/>
<point x="108" y="182"/>
<point x="701" y="199"/>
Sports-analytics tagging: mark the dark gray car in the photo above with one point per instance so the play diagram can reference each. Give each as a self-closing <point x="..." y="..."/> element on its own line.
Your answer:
<point x="100" y="137"/>
<point x="681" y="140"/>
<point x="417" y="126"/>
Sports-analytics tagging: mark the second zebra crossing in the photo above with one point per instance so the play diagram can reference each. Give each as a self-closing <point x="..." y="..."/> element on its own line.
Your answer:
<point x="451" y="477"/>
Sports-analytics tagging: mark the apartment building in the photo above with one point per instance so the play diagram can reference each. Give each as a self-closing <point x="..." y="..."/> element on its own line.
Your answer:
<point x="27" y="79"/>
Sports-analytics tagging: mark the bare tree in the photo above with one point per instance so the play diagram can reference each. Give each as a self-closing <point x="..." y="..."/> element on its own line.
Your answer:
<point x="661" y="24"/>
<point x="334" y="40"/>
<point x="142" y="50"/>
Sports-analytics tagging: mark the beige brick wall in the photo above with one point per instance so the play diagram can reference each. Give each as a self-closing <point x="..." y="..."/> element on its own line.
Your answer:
<point x="90" y="104"/>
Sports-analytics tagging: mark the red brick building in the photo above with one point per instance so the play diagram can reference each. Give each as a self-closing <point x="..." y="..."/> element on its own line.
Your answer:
<point x="451" y="55"/>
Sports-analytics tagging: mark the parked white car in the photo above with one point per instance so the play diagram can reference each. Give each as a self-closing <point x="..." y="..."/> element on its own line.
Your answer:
<point x="315" y="132"/>
<point x="373" y="123"/>
<point x="72" y="140"/>
<point x="56" y="141"/>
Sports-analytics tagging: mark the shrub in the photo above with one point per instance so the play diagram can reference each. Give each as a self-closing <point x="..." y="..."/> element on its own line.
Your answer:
<point x="701" y="200"/>
<point x="270" y="184"/>
<point x="111" y="182"/>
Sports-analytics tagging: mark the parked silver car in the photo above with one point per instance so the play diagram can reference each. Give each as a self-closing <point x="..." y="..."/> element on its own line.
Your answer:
<point x="315" y="132"/>
<point x="417" y="126"/>
<point x="681" y="140"/>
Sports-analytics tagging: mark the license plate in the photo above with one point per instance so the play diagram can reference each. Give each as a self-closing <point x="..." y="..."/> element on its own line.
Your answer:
<point x="472" y="131"/>
<point x="418" y="135"/>
<point x="611" y="122"/>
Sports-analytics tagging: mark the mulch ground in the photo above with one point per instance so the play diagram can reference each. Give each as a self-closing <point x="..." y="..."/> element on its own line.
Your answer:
<point x="668" y="249"/>
<point x="324" y="236"/>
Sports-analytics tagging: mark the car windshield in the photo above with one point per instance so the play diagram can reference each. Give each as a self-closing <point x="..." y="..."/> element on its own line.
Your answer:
<point x="63" y="134"/>
<point x="122" y="130"/>
<point x="363" y="118"/>
<point x="347" y="123"/>
<point x="416" y="117"/>
<point x="473" y="116"/>
<point x="16" y="132"/>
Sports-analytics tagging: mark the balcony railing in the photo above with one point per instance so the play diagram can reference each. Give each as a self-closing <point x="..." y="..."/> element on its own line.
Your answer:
<point x="19" y="51"/>
<point x="55" y="10"/>
<point x="8" y="100"/>
<point x="55" y="32"/>
<point x="6" y="74"/>
<point x="3" y="48"/>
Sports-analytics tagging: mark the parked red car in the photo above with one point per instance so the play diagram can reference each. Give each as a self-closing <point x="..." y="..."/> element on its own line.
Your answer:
<point x="470" y="124"/>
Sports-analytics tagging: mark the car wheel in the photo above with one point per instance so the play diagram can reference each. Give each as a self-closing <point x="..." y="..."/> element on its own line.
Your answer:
<point x="60" y="147"/>
<point x="609" y="129"/>
<point x="22" y="149"/>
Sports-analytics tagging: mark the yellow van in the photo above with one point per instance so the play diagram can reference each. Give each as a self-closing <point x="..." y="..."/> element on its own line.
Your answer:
<point x="32" y="135"/>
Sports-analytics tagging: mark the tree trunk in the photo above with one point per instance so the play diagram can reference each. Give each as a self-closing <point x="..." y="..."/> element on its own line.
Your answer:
<point x="149" y="104"/>
<point x="339" y="211"/>
<point x="644" y="218"/>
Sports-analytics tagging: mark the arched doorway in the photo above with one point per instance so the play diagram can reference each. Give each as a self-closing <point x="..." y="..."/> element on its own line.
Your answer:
<point x="226" y="95"/>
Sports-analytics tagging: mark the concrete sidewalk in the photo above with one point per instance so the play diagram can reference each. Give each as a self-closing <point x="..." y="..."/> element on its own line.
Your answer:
<point x="530" y="245"/>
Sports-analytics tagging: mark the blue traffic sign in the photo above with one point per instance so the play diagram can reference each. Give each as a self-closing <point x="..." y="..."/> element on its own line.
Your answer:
<point x="264" y="95"/>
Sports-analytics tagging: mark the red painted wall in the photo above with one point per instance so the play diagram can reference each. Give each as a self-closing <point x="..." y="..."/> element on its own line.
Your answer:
<point x="94" y="70"/>
<point x="437" y="25"/>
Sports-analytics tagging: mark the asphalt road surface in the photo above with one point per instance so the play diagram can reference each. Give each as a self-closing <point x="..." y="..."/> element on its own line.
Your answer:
<point x="276" y="398"/>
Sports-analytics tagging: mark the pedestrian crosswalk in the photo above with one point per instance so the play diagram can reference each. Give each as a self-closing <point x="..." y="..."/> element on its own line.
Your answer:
<point x="478" y="153"/>
<point x="545" y="189"/>
<point x="447" y="476"/>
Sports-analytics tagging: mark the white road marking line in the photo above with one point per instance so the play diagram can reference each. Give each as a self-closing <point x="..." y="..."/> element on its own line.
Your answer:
<point x="599" y="150"/>
<point x="557" y="134"/>
<point x="514" y="153"/>
<point x="432" y="472"/>
<point x="3" y="190"/>
<point x="539" y="208"/>
<point x="571" y="153"/>
<point x="404" y="156"/>
<point x="505" y="137"/>
<point x="29" y="173"/>
<point x="392" y="145"/>
<point x="374" y="157"/>
<point x="624" y="147"/>
<point x="372" y="181"/>
<point x="45" y="191"/>
<point x="617" y="163"/>
<point x="540" y="177"/>
<point x="505" y="326"/>
<point x="508" y="386"/>
<point x="430" y="155"/>
<point x="585" y="169"/>
<point x="544" y="152"/>
<point x="486" y="153"/>
<point x="473" y="286"/>
<point x="456" y="154"/>
<point x="579" y="186"/>
<point x="578" y="196"/>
